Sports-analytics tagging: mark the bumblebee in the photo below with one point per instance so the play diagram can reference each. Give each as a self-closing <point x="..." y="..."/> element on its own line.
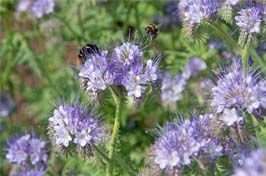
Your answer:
<point x="152" y="29"/>
<point x="85" y="51"/>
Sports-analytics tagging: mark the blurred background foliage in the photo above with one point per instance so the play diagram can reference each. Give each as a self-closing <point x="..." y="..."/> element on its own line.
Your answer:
<point x="38" y="67"/>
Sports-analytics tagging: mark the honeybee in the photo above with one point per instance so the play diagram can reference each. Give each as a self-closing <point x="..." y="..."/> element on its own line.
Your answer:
<point x="86" y="50"/>
<point x="152" y="29"/>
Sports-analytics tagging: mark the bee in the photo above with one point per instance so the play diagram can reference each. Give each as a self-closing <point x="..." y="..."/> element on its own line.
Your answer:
<point x="85" y="51"/>
<point x="152" y="29"/>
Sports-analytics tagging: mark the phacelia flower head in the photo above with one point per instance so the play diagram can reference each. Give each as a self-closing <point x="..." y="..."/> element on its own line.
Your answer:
<point x="27" y="150"/>
<point x="249" y="20"/>
<point x="75" y="126"/>
<point x="194" y="66"/>
<point x="255" y="164"/>
<point x="231" y="2"/>
<point x="127" y="54"/>
<point x="180" y="143"/>
<point x="24" y="5"/>
<point x="235" y="151"/>
<point x="137" y="78"/>
<point x="124" y="67"/>
<point x="38" y="171"/>
<point x="236" y="88"/>
<point x="42" y="7"/>
<point x="230" y="117"/>
<point x="194" y="11"/>
<point x="95" y="74"/>
<point x="38" y="8"/>
<point x="171" y="89"/>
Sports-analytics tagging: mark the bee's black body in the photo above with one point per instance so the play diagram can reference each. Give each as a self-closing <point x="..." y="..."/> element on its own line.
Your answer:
<point x="85" y="51"/>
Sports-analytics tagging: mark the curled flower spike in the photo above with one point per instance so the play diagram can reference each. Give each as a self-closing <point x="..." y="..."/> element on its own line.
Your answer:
<point x="95" y="74"/>
<point x="249" y="20"/>
<point x="28" y="152"/>
<point x="73" y="125"/>
<point x="231" y="2"/>
<point x="123" y="67"/>
<point x="195" y="11"/>
<point x="26" y="149"/>
<point x="180" y="143"/>
<point x="31" y="172"/>
<point x="236" y="88"/>
<point x="255" y="164"/>
<point x="230" y="117"/>
<point x="127" y="54"/>
<point x="171" y="90"/>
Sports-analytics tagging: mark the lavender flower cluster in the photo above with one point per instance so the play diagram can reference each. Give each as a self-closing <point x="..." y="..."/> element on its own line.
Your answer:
<point x="72" y="124"/>
<point x="239" y="90"/>
<point x="38" y="8"/>
<point x="255" y="164"/>
<point x="29" y="153"/>
<point x="194" y="11"/>
<point x="180" y="143"/>
<point x="123" y="67"/>
<point x="235" y="92"/>
<point x="249" y="16"/>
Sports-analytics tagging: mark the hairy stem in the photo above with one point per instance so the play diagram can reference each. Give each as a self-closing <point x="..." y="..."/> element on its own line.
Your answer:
<point x="245" y="54"/>
<point x="102" y="154"/>
<point x="114" y="133"/>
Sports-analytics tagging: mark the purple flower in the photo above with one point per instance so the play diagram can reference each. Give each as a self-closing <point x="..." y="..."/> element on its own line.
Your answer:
<point x="38" y="171"/>
<point x="24" y="5"/>
<point x="255" y="164"/>
<point x="180" y="143"/>
<point x="249" y="20"/>
<point x="95" y="74"/>
<point x="194" y="66"/>
<point x="133" y="84"/>
<point x="27" y="150"/>
<point x="236" y="88"/>
<point x="38" y="8"/>
<point x="235" y="151"/>
<point x="72" y="124"/>
<point x="194" y="11"/>
<point x="171" y="89"/>
<point x="230" y="117"/>
<point x="231" y="2"/>
<point x="6" y="105"/>
<point x="123" y="67"/>
<point x="127" y="54"/>
<point x="42" y="7"/>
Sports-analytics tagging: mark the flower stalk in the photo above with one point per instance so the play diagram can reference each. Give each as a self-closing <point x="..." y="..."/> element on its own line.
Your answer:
<point x="116" y="126"/>
<point x="245" y="54"/>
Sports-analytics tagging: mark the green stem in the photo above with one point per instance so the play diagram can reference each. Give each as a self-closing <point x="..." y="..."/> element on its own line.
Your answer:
<point x="245" y="54"/>
<point x="122" y="163"/>
<point x="103" y="155"/>
<point x="115" y="132"/>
